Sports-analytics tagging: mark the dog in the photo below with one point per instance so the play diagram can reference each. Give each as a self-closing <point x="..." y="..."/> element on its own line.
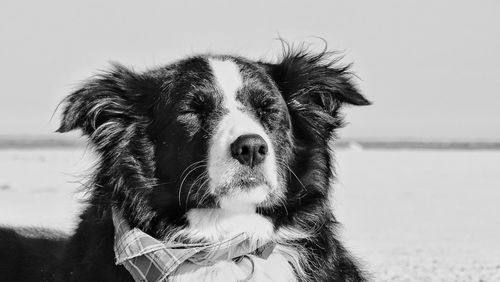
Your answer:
<point x="199" y="151"/>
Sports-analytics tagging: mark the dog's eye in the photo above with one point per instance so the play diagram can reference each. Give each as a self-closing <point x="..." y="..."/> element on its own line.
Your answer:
<point x="194" y="111"/>
<point x="263" y="100"/>
<point x="198" y="104"/>
<point x="266" y="106"/>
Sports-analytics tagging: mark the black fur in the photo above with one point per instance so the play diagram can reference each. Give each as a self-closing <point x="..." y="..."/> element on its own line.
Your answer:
<point x="148" y="128"/>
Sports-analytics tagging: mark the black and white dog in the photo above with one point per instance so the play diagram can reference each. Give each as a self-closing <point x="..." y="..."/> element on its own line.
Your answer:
<point x="198" y="151"/>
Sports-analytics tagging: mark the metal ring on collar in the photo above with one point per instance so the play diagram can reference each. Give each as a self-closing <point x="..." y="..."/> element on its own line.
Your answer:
<point x="249" y="276"/>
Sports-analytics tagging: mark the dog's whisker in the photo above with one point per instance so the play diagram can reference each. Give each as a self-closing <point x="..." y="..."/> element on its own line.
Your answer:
<point x="205" y="195"/>
<point x="282" y="162"/>
<point x="282" y="202"/>
<point x="191" y="165"/>
<point x="184" y="179"/>
<point x="199" y="178"/>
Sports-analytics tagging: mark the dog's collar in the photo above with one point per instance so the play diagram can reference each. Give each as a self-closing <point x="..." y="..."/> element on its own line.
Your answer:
<point x="148" y="259"/>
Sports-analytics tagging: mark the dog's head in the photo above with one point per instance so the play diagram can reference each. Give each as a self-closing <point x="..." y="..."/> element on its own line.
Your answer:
<point x="211" y="131"/>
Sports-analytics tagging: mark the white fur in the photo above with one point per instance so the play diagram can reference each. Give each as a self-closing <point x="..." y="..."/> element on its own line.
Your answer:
<point x="218" y="224"/>
<point x="245" y="200"/>
<point x="221" y="165"/>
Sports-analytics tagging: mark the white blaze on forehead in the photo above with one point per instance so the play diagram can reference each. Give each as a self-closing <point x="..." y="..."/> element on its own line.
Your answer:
<point x="237" y="121"/>
<point x="228" y="77"/>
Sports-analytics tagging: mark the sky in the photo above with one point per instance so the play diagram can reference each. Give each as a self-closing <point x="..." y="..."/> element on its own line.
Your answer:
<point x="432" y="68"/>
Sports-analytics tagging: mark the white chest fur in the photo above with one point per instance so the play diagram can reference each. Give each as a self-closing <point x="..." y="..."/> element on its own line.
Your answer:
<point x="218" y="224"/>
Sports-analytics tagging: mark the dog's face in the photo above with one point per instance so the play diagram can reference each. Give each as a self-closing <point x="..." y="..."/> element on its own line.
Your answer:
<point x="219" y="134"/>
<point x="210" y="131"/>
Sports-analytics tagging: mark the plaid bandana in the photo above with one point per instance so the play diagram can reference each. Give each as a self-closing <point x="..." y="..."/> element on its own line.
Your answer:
<point x="148" y="259"/>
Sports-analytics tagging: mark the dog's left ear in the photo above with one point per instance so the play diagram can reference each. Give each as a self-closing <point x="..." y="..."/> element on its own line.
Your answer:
<point x="314" y="79"/>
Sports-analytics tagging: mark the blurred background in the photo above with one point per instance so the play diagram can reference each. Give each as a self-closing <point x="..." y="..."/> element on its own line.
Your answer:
<point x="418" y="174"/>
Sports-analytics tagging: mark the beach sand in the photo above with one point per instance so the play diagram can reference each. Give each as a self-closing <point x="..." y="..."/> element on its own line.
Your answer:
<point x="408" y="215"/>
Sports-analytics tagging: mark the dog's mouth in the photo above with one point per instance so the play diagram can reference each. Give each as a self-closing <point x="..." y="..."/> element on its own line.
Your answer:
<point x="245" y="181"/>
<point x="246" y="187"/>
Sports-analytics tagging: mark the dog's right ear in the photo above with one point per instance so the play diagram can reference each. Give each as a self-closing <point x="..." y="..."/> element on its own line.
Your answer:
<point x="118" y="96"/>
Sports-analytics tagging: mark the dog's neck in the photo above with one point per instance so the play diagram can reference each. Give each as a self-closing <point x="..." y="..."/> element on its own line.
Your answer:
<point x="215" y="224"/>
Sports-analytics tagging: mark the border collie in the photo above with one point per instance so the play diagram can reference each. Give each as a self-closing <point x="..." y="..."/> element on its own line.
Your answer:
<point x="199" y="151"/>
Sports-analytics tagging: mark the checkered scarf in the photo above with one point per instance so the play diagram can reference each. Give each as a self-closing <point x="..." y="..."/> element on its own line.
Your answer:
<point x="148" y="259"/>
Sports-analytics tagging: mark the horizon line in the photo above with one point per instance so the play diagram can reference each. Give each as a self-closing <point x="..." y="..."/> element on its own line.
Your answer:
<point x="39" y="142"/>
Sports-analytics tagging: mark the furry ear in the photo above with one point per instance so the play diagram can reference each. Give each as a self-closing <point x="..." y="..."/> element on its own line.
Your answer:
<point x="112" y="109"/>
<point x="306" y="78"/>
<point x="314" y="88"/>
<point x="112" y="97"/>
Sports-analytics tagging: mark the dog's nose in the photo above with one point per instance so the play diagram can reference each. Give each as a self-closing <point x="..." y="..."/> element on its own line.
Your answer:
<point x="249" y="149"/>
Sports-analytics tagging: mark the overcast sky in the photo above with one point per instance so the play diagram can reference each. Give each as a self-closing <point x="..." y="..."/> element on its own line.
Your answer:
<point x="432" y="68"/>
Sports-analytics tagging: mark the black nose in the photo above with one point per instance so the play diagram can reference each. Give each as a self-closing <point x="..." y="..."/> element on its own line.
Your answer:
<point x="249" y="149"/>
